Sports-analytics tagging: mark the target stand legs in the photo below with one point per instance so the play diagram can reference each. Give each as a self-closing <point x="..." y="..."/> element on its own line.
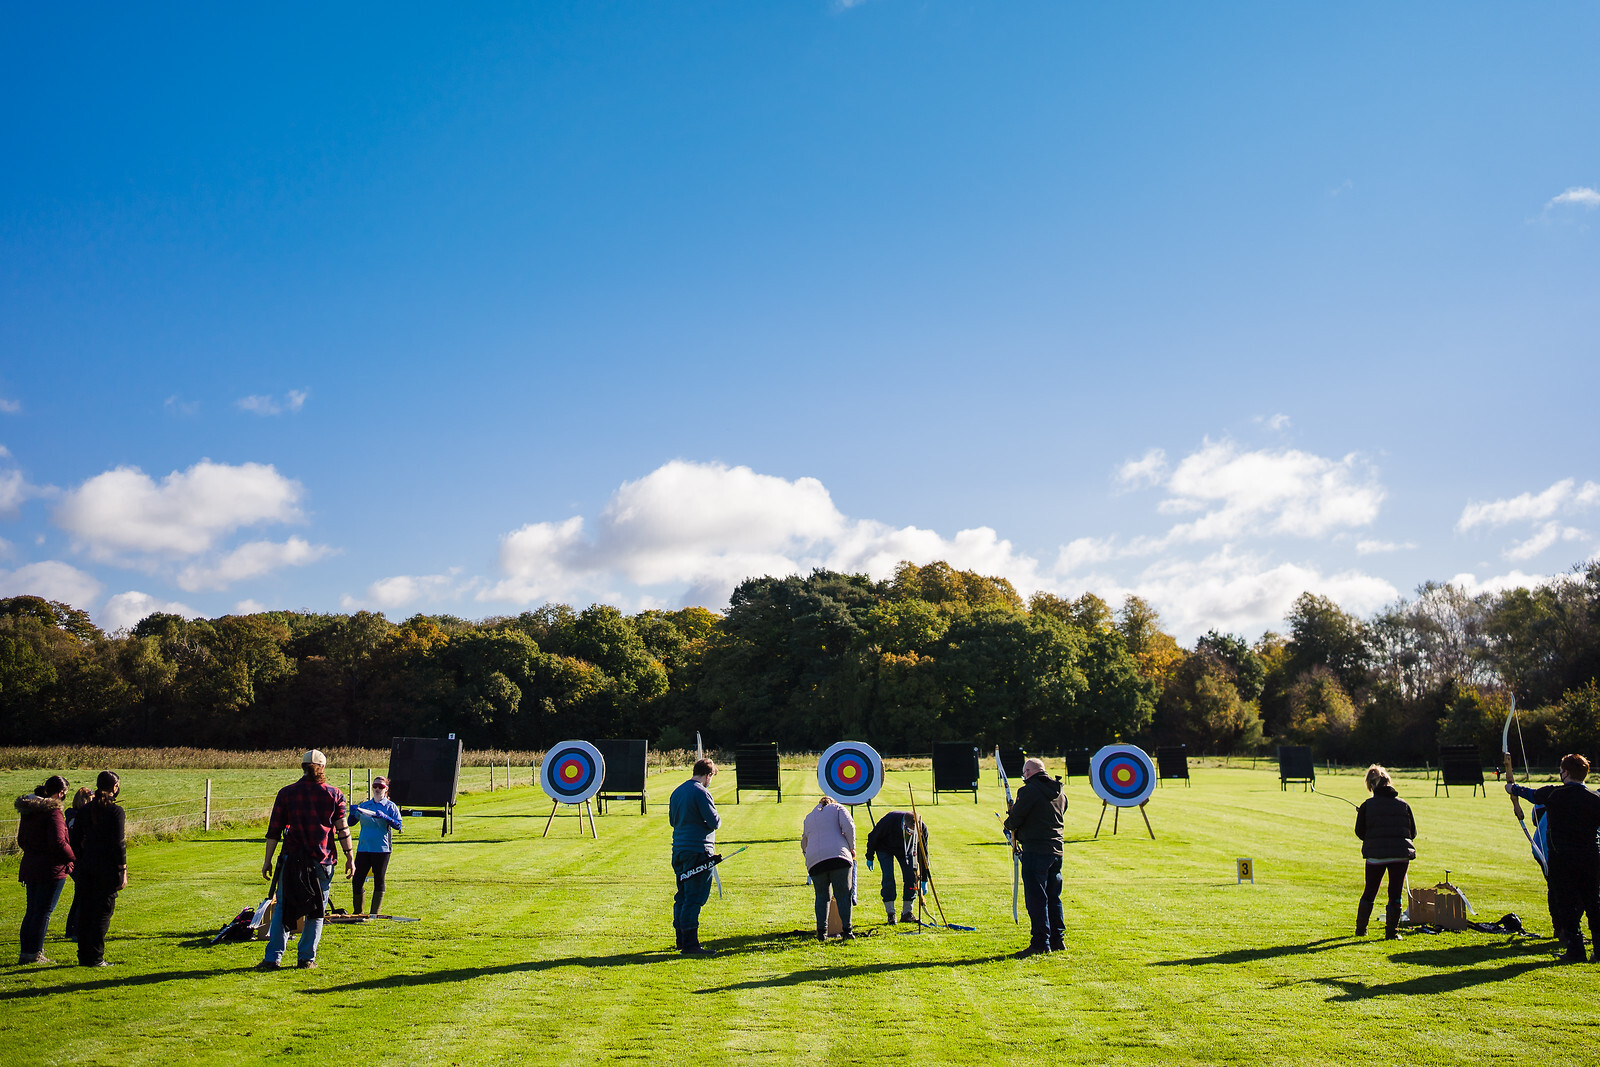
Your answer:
<point x="585" y="807"/>
<point x="1116" y="816"/>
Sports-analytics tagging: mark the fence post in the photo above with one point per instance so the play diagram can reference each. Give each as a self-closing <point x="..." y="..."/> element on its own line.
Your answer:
<point x="491" y="774"/>
<point x="208" y="804"/>
<point x="351" y="788"/>
<point x="369" y="781"/>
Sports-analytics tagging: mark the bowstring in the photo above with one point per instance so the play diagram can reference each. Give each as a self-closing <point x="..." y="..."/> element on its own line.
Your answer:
<point x="1527" y="772"/>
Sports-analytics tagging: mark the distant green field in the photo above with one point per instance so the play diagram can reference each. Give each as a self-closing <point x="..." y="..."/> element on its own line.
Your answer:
<point x="558" y="950"/>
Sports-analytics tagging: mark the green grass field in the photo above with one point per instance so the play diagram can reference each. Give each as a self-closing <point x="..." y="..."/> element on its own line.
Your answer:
<point x="558" y="950"/>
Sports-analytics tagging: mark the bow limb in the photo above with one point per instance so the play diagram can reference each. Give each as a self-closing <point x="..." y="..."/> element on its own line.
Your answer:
<point x="1516" y="802"/>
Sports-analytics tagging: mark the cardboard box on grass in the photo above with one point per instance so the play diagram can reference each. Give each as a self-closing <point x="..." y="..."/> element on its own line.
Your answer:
<point x="1440" y="906"/>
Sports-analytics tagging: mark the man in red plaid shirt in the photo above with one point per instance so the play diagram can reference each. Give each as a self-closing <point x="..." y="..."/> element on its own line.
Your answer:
<point x="307" y="816"/>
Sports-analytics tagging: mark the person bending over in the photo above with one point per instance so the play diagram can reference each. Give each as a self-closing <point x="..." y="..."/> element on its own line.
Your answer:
<point x="380" y="818"/>
<point x="1035" y="821"/>
<point x="1572" y="852"/>
<point x="306" y="816"/>
<point x="694" y="820"/>
<point x="1386" y="828"/>
<point x="828" y="839"/>
<point x="886" y="844"/>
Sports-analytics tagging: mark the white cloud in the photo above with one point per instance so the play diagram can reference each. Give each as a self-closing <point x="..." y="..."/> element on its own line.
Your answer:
<point x="1577" y="196"/>
<point x="1469" y="583"/>
<point x="1269" y="492"/>
<point x="1148" y="469"/>
<point x="1550" y="533"/>
<point x="403" y="590"/>
<point x="1368" y="548"/>
<point x="265" y="404"/>
<point x="175" y="405"/>
<point x="250" y="560"/>
<point x="1563" y="497"/>
<point x="706" y="527"/>
<point x="125" y="610"/>
<point x="688" y="532"/>
<point x="52" y="580"/>
<point x="15" y="489"/>
<point x="125" y="511"/>
<point x="1236" y="591"/>
<point x="9" y="406"/>
<point x="1274" y="422"/>
<point x="247" y="606"/>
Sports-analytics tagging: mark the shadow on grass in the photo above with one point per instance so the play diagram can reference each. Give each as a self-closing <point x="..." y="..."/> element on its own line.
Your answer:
<point x="119" y="982"/>
<point x="822" y="974"/>
<point x="1251" y="955"/>
<point x="1428" y="984"/>
<point x="461" y="974"/>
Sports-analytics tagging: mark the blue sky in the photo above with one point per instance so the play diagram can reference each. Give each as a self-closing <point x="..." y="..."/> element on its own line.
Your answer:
<point x="412" y="309"/>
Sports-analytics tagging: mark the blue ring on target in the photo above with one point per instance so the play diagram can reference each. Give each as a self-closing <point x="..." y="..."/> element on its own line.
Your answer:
<point x="572" y="772"/>
<point x="850" y="772"/>
<point x="1122" y="775"/>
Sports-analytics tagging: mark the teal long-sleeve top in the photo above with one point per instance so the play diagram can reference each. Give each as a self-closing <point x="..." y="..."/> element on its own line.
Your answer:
<point x="694" y="818"/>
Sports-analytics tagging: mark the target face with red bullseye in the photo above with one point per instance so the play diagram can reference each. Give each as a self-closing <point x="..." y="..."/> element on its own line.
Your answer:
<point x="850" y="772"/>
<point x="572" y="772"/>
<point x="1122" y="775"/>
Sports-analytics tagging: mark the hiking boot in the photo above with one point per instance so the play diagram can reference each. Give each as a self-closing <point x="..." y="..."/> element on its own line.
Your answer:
<point x="269" y="965"/>
<point x="888" y="911"/>
<point x="307" y="965"/>
<point x="847" y="935"/>
<point x="1058" y="944"/>
<point x="1032" y="950"/>
<point x="692" y="945"/>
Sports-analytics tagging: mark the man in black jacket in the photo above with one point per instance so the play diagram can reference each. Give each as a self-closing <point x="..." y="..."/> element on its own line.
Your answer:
<point x="1035" y="821"/>
<point x="1572" y="852"/>
<point x="887" y="844"/>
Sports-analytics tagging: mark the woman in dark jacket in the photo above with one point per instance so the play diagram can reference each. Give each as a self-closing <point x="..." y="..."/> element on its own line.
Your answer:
<point x="1386" y="828"/>
<point x="102" y="872"/>
<point x="46" y="861"/>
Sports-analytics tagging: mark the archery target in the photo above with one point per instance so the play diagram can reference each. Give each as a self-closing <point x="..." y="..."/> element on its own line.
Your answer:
<point x="850" y="772"/>
<point x="1122" y="775"/>
<point x="572" y="772"/>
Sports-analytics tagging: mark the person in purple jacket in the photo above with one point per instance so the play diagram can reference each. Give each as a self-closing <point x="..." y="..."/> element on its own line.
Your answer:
<point x="46" y="861"/>
<point x="379" y="819"/>
<point x="828" y="839"/>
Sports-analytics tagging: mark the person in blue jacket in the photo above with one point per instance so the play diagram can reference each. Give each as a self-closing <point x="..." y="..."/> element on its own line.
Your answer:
<point x="694" y="822"/>
<point x="379" y="819"/>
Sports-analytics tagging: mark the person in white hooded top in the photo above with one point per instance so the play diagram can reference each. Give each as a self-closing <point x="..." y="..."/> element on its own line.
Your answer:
<point x="828" y="839"/>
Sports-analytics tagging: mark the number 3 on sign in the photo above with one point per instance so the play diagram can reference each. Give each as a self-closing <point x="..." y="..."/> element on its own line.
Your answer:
<point x="1246" y="869"/>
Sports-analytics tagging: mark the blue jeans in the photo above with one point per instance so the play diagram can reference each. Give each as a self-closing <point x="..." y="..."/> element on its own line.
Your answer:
<point x="692" y="892"/>
<point x="277" y="940"/>
<point x="889" y="864"/>
<point x="1041" y="889"/>
<point x="42" y="898"/>
<point x="838" y="880"/>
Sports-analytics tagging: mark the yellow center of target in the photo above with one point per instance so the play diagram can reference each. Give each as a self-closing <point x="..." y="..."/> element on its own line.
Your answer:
<point x="848" y="772"/>
<point x="570" y="771"/>
<point x="1123" y="775"/>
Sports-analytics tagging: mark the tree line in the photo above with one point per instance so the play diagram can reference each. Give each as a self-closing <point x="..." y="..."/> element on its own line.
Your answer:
<point x="931" y="654"/>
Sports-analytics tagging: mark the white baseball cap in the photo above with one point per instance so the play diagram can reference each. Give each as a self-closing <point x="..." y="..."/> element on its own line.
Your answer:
<point x="315" y="757"/>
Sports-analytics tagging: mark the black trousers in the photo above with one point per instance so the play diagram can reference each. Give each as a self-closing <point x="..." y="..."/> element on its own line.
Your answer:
<point x="1397" y="881"/>
<point x="96" y="899"/>
<point x="1575" y="892"/>
<point x="890" y="862"/>
<point x="378" y="864"/>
